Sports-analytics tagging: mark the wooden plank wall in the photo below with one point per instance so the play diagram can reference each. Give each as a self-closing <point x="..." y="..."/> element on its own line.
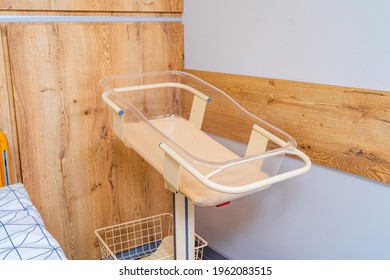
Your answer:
<point x="7" y="110"/>
<point x="341" y="127"/>
<point x="79" y="175"/>
<point x="169" y="6"/>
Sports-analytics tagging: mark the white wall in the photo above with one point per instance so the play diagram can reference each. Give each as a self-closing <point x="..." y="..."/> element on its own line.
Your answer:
<point x="338" y="42"/>
<point x="324" y="214"/>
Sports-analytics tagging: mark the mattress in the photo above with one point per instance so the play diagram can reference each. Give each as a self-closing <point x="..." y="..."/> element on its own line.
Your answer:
<point x="23" y="235"/>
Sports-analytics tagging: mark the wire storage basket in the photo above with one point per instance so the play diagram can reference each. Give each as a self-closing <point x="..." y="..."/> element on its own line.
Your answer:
<point x="150" y="238"/>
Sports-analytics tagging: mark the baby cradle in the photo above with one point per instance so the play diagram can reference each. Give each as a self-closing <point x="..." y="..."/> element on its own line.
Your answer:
<point x="186" y="128"/>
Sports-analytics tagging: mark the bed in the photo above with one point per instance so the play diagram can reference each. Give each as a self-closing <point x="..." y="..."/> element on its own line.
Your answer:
<point x="23" y="235"/>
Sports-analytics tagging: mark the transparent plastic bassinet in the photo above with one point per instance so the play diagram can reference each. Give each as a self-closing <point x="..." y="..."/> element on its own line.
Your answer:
<point x="178" y="115"/>
<point x="189" y="131"/>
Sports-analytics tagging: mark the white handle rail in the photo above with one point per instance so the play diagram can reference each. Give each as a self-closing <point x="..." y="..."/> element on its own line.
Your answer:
<point x="119" y="111"/>
<point x="247" y="187"/>
<point x="110" y="103"/>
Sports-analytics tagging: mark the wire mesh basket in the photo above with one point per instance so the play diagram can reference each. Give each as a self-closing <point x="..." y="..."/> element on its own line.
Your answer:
<point x="144" y="239"/>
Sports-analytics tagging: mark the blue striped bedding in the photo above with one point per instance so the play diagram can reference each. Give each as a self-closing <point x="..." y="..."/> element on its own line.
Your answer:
<point x="23" y="235"/>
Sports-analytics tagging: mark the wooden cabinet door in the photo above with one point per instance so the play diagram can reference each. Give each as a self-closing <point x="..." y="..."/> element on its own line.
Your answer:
<point x="78" y="174"/>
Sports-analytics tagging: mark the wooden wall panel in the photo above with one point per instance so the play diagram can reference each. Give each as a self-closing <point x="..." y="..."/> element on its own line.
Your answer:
<point x="7" y="112"/>
<point x="173" y="6"/>
<point x="78" y="174"/>
<point x="341" y="127"/>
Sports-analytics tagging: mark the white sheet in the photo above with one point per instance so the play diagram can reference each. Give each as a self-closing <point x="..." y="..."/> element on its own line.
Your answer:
<point x="23" y="235"/>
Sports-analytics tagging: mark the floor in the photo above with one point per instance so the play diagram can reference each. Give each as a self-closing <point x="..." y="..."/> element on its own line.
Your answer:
<point x="210" y="254"/>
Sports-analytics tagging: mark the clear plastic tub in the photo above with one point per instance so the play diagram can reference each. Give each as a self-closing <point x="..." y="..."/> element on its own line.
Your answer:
<point x="173" y="116"/>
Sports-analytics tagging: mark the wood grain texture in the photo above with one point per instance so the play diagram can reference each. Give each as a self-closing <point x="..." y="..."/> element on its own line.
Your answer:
<point x="341" y="127"/>
<point x="78" y="174"/>
<point x="7" y="112"/>
<point x="173" y="6"/>
<point x="86" y="13"/>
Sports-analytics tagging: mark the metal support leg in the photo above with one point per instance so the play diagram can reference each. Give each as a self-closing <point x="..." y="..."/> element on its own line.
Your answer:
<point x="184" y="224"/>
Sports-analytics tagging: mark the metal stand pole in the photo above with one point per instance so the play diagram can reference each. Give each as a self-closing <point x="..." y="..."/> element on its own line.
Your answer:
<point x="184" y="224"/>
